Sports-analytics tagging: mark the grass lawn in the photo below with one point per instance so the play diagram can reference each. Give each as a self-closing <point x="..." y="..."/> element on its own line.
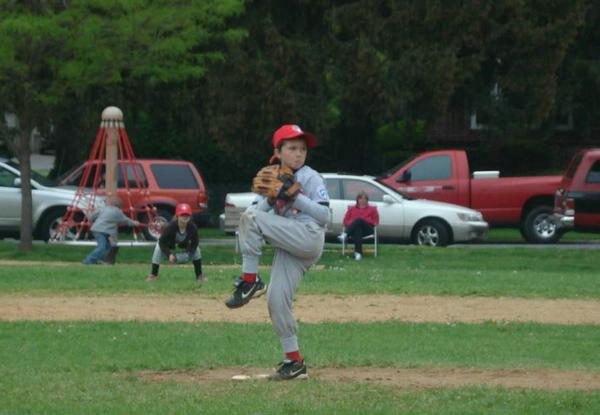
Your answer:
<point x="513" y="235"/>
<point x="399" y="269"/>
<point x="60" y="367"/>
<point x="94" y="368"/>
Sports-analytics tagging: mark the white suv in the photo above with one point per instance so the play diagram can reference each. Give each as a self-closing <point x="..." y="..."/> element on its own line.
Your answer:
<point x="49" y="202"/>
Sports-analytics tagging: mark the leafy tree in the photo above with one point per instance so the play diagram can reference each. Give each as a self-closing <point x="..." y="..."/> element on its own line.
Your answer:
<point x="30" y="39"/>
<point x="579" y="77"/>
<point x="276" y="75"/>
<point x="54" y="55"/>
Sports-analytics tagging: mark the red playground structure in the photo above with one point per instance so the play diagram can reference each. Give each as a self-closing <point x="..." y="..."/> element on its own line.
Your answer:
<point x="110" y="163"/>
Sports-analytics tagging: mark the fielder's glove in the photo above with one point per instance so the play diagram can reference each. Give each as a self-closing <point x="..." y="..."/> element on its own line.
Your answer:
<point x="182" y="258"/>
<point x="276" y="182"/>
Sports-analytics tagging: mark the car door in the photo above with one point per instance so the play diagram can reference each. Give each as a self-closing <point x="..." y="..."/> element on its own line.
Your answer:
<point x="10" y="199"/>
<point x="391" y="216"/>
<point x="432" y="178"/>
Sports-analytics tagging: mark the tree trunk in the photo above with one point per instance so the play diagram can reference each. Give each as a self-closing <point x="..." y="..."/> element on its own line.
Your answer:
<point x="24" y="156"/>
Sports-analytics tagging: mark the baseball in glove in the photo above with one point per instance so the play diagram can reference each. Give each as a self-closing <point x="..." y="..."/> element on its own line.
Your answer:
<point x="276" y="182"/>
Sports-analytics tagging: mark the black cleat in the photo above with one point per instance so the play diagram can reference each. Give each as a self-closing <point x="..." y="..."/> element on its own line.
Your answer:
<point x="245" y="291"/>
<point x="290" y="369"/>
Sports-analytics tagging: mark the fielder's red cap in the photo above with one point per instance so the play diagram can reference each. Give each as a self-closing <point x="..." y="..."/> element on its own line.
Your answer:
<point x="290" y="131"/>
<point x="183" y="209"/>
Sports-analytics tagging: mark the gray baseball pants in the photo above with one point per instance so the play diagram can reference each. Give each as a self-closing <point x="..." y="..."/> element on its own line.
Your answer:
<point x="157" y="255"/>
<point x="298" y="245"/>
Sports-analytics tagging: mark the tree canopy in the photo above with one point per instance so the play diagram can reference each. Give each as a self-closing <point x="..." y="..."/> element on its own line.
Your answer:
<point x="57" y="55"/>
<point x="209" y="81"/>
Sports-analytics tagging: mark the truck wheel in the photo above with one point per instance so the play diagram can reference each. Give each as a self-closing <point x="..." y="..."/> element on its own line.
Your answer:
<point x="538" y="227"/>
<point x="152" y="231"/>
<point x="430" y="232"/>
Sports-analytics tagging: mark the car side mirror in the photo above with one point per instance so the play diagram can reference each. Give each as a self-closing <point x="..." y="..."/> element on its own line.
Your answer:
<point x="388" y="199"/>
<point x="405" y="177"/>
<point x="17" y="182"/>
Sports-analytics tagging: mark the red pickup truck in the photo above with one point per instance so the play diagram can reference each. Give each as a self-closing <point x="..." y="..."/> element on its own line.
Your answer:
<point x="577" y="200"/>
<point x="444" y="175"/>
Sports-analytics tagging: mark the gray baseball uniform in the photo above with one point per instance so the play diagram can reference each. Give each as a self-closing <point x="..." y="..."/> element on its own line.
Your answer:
<point x="158" y="254"/>
<point x="297" y="232"/>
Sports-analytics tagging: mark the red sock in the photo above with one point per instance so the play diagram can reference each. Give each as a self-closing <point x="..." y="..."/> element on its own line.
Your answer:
<point x="251" y="278"/>
<point x="294" y="356"/>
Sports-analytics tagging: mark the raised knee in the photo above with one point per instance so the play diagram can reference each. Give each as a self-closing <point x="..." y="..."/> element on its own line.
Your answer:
<point x="247" y="218"/>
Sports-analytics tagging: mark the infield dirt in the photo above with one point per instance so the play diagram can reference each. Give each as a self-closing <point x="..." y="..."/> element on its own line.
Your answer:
<point x="307" y="308"/>
<point x="333" y="308"/>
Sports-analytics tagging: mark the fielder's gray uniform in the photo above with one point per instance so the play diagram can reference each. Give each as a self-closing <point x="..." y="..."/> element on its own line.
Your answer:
<point x="297" y="232"/>
<point x="158" y="254"/>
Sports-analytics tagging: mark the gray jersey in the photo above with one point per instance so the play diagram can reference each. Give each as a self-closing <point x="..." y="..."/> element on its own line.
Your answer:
<point x="309" y="204"/>
<point x="108" y="219"/>
<point x="297" y="233"/>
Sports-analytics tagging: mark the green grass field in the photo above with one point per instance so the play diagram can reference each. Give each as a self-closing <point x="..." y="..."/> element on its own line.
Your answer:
<point x="99" y="367"/>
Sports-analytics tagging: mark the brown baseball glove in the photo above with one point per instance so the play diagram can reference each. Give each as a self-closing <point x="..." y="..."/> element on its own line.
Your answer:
<point x="276" y="182"/>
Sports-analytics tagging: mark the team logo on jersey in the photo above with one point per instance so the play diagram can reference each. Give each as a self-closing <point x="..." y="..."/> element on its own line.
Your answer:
<point x="323" y="193"/>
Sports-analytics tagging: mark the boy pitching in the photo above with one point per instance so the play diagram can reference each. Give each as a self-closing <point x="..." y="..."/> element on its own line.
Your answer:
<point x="294" y="224"/>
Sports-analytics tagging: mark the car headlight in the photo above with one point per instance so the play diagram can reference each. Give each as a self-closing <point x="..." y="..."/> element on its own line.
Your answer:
<point x="470" y="217"/>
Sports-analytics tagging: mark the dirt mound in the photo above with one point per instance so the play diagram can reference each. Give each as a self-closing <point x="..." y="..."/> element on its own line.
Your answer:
<point x="543" y="379"/>
<point x="307" y="308"/>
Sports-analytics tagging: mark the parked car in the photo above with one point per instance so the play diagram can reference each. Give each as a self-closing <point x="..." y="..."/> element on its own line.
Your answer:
<point x="168" y="182"/>
<point x="49" y="202"/>
<point x="577" y="201"/>
<point x="522" y="202"/>
<point x="423" y="222"/>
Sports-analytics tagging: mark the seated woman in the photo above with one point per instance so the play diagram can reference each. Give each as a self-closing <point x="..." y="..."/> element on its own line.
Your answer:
<point x="359" y="221"/>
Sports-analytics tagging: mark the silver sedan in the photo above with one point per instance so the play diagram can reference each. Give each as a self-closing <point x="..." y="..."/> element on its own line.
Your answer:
<point x="423" y="222"/>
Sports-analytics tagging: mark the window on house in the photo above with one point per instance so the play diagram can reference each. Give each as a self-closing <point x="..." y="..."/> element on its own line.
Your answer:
<point x="563" y="122"/>
<point x="478" y="120"/>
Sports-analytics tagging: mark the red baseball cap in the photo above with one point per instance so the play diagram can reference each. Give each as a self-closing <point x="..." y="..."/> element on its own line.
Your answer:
<point x="183" y="209"/>
<point x="290" y="131"/>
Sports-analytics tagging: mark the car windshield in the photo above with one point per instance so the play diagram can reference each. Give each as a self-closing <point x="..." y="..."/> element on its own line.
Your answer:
<point x="394" y="169"/>
<point x="44" y="181"/>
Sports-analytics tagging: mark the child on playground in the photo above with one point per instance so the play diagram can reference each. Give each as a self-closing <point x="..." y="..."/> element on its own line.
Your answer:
<point x="180" y="232"/>
<point x="105" y="228"/>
